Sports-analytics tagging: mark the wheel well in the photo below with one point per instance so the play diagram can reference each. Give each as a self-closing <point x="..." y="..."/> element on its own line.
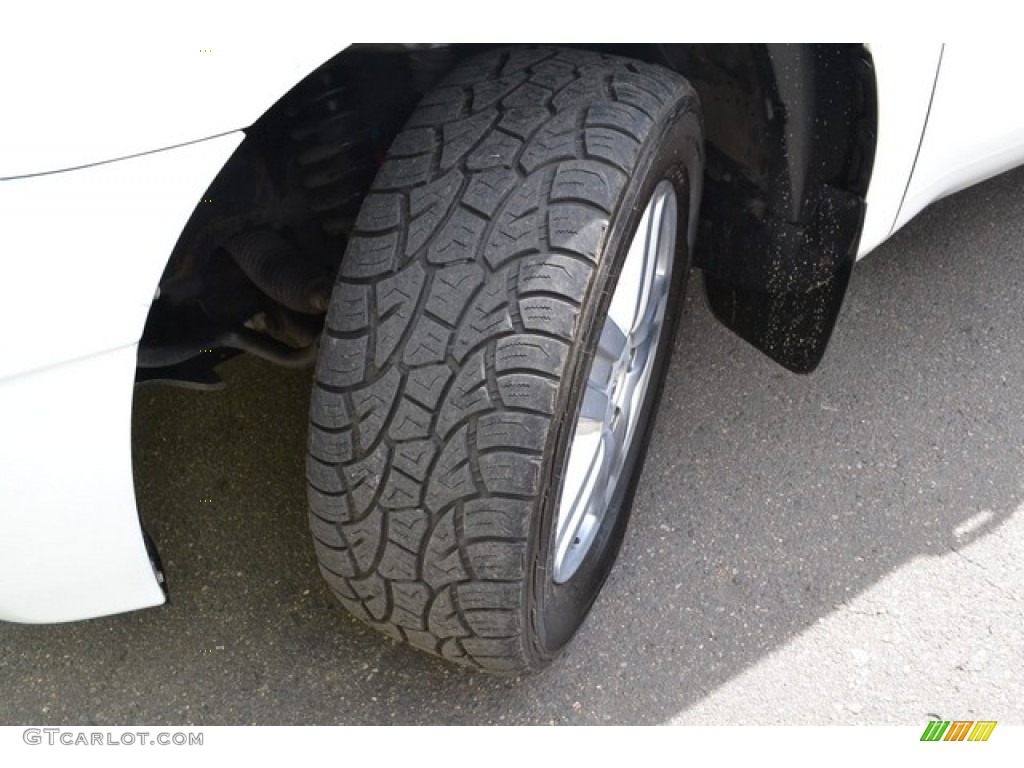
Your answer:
<point x="790" y="138"/>
<point x="252" y="269"/>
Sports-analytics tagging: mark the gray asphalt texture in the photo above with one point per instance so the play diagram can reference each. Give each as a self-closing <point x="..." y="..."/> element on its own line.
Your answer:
<point x="846" y="547"/>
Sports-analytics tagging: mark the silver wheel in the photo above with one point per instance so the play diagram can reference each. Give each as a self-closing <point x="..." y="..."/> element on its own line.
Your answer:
<point x="616" y="383"/>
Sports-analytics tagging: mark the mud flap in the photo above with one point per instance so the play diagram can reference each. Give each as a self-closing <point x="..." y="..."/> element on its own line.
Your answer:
<point x="786" y="296"/>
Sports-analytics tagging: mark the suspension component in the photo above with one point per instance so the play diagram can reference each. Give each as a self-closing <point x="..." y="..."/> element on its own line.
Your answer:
<point x="275" y="268"/>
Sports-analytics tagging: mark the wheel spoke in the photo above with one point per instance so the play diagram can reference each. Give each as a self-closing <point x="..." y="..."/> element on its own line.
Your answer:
<point x="629" y="291"/>
<point x="647" y="266"/>
<point x="649" y="325"/>
<point x="593" y="411"/>
<point x="592" y="500"/>
<point x="654" y="280"/>
<point x="579" y="488"/>
<point x="613" y="341"/>
<point x="633" y="389"/>
<point x="613" y="455"/>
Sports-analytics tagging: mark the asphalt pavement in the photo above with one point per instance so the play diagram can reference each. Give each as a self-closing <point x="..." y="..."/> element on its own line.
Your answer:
<point x="841" y="548"/>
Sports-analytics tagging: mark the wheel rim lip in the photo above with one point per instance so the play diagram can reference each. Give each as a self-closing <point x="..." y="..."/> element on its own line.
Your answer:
<point x="617" y="380"/>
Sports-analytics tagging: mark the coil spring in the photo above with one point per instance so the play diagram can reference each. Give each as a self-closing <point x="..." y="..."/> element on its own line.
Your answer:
<point x="334" y="153"/>
<point x="344" y="121"/>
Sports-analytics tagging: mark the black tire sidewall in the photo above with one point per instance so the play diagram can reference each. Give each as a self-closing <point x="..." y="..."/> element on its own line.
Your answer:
<point x="672" y="152"/>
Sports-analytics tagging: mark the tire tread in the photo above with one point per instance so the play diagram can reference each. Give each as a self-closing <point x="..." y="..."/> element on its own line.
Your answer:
<point x="452" y="322"/>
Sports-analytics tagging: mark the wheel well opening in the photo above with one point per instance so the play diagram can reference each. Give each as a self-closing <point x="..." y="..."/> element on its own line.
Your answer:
<point x="252" y="270"/>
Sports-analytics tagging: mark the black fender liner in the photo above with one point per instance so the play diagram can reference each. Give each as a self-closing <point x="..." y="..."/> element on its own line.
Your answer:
<point x="781" y="223"/>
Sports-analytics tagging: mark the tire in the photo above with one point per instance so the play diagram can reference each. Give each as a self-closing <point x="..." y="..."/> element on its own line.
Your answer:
<point x="461" y="340"/>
